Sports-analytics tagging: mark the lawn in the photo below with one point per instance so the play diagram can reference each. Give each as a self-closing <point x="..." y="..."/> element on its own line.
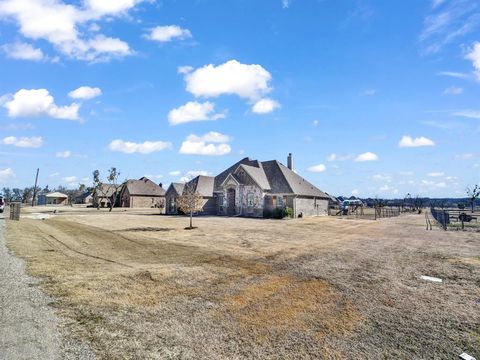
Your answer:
<point x="135" y="284"/>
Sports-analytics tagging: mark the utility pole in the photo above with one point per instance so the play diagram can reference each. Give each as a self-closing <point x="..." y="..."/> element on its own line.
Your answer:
<point x="35" y="189"/>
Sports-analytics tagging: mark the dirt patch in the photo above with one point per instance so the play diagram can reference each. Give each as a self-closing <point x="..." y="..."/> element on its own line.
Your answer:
<point x="289" y="304"/>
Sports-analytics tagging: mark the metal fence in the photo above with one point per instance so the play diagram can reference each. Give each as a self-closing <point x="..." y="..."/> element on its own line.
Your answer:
<point x="367" y="213"/>
<point x="456" y="219"/>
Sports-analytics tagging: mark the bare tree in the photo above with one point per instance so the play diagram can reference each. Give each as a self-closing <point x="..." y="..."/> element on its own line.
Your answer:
<point x="473" y="195"/>
<point x="113" y="175"/>
<point x="190" y="202"/>
<point x="7" y="192"/>
<point x="98" y="187"/>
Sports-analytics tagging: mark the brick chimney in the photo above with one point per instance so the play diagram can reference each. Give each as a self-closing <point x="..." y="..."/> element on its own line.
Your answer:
<point x="290" y="161"/>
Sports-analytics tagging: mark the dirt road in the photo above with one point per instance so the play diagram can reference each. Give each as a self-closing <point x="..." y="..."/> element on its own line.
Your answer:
<point x="28" y="326"/>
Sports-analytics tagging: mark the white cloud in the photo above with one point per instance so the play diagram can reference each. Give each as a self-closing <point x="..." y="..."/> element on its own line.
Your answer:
<point x="367" y="156"/>
<point x="381" y="177"/>
<point x="285" y="4"/>
<point x="185" y="69"/>
<point x="212" y="144"/>
<point x="406" y="173"/>
<point x="265" y="106"/>
<point x="23" y="51"/>
<point x="146" y="147"/>
<point x="23" y="142"/>
<point x="315" y="122"/>
<point x="453" y="90"/>
<point x="194" y="111"/>
<point x="474" y="56"/>
<point x="168" y="33"/>
<point x="465" y="156"/>
<point x="55" y="174"/>
<point x="409" y="142"/>
<point x="433" y="184"/>
<point x="457" y="75"/>
<point x="37" y="102"/>
<point x="472" y="114"/>
<point x="110" y="7"/>
<point x="193" y="174"/>
<point x="234" y="78"/>
<point x="355" y="192"/>
<point x="67" y="27"/>
<point x="64" y="154"/>
<point x="174" y="173"/>
<point x="436" y="3"/>
<point x="455" y="20"/>
<point x="85" y="92"/>
<point x="317" y="168"/>
<point x="70" y="180"/>
<point x="6" y="175"/>
<point x="436" y="174"/>
<point x="384" y="188"/>
<point x="369" y="92"/>
<point x="336" y="157"/>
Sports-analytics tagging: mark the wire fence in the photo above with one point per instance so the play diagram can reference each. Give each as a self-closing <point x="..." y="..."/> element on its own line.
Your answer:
<point x="368" y="213"/>
<point x="456" y="219"/>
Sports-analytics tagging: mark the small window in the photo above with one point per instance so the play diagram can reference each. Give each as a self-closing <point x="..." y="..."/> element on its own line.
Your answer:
<point x="280" y="202"/>
<point x="250" y="199"/>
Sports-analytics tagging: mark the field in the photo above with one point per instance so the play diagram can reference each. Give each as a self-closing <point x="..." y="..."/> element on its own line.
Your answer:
<point x="137" y="285"/>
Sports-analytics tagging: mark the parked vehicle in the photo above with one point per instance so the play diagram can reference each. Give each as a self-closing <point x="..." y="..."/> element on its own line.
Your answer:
<point x="2" y="204"/>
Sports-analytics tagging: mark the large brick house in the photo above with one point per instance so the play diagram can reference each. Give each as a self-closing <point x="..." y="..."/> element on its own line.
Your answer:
<point x="251" y="187"/>
<point x="142" y="193"/>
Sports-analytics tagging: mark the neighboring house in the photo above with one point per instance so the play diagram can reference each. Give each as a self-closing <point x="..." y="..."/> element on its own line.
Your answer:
<point x="173" y="192"/>
<point x="142" y="193"/>
<point x="85" y="198"/>
<point x="103" y="196"/>
<point x="54" y="198"/>
<point x="203" y="185"/>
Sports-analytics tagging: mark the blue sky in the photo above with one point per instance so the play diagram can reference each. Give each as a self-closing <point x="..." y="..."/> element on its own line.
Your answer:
<point x="373" y="98"/>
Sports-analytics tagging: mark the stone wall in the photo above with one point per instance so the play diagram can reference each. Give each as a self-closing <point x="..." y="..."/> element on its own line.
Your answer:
<point x="310" y="207"/>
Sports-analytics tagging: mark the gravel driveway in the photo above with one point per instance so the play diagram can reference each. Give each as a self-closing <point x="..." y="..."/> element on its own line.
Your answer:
<point x="28" y="326"/>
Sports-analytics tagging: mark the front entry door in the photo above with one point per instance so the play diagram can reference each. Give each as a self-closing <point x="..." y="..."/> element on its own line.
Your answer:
<point x="231" y="202"/>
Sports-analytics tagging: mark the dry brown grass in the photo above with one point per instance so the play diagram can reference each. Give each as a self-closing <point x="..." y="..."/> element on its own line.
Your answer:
<point x="136" y="285"/>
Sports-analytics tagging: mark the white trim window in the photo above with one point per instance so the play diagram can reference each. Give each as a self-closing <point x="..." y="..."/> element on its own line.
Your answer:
<point x="250" y="200"/>
<point x="280" y="202"/>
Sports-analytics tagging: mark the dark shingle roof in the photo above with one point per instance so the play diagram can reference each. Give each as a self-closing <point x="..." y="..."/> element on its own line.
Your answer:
<point x="144" y="187"/>
<point x="203" y="185"/>
<point x="258" y="175"/>
<point x="177" y="187"/>
<point x="274" y="177"/>
<point x="220" y="178"/>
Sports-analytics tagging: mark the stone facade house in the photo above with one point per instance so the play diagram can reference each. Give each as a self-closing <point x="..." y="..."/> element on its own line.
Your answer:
<point x="250" y="187"/>
<point x="173" y="192"/>
<point x="142" y="193"/>
<point x="86" y="198"/>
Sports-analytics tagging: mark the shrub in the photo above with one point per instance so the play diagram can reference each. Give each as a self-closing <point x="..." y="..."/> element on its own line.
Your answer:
<point x="289" y="212"/>
<point x="267" y="213"/>
<point x="278" y="213"/>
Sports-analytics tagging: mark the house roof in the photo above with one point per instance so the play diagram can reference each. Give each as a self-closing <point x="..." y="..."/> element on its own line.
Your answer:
<point x="56" y="195"/>
<point x="106" y="190"/>
<point x="177" y="187"/>
<point x="220" y="178"/>
<point x="274" y="177"/>
<point x="144" y="186"/>
<point x="84" y="195"/>
<point x="258" y="175"/>
<point x="203" y="185"/>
